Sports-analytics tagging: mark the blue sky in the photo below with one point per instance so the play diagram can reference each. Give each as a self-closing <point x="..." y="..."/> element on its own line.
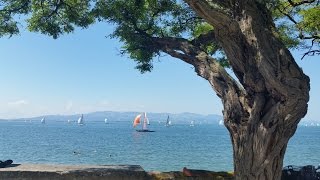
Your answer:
<point x="83" y="72"/>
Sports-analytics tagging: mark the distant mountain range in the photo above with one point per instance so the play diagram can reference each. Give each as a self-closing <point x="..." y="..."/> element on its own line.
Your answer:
<point x="180" y="118"/>
<point x="309" y="123"/>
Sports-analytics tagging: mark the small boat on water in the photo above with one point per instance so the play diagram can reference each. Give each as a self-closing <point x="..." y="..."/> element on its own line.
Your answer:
<point x="80" y="120"/>
<point x="43" y="120"/>
<point x="137" y="121"/>
<point x="192" y="123"/>
<point x="168" y="122"/>
<point x="106" y="120"/>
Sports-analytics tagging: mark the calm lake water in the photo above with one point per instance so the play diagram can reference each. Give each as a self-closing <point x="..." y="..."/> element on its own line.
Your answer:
<point x="169" y="148"/>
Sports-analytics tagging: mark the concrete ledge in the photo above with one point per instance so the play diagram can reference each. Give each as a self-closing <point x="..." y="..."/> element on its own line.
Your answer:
<point x="192" y="174"/>
<point x="73" y="172"/>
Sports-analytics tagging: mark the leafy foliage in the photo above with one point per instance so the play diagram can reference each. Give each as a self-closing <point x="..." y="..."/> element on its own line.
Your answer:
<point x="57" y="17"/>
<point x="288" y="36"/>
<point x="297" y="23"/>
<point x="138" y="22"/>
<point x="203" y="28"/>
<point x="310" y="21"/>
<point x="8" y="11"/>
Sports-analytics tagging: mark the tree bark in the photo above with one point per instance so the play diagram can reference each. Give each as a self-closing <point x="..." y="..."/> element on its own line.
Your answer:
<point x="263" y="112"/>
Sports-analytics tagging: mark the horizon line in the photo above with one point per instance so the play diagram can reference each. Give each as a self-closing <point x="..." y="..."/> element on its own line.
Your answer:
<point x="74" y="114"/>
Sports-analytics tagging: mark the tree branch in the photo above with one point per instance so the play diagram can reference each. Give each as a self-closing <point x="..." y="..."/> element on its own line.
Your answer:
<point x="288" y="16"/>
<point x="214" y="15"/>
<point x="57" y="5"/>
<point x="311" y="53"/>
<point x="17" y="9"/>
<point x="207" y="38"/>
<point x="205" y="66"/>
<point x="294" y="4"/>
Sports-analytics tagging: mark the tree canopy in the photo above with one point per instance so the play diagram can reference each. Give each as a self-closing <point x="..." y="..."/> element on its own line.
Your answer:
<point x="140" y="22"/>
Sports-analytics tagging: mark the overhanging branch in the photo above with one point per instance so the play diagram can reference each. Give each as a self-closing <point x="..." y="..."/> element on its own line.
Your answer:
<point x="205" y="65"/>
<point x="214" y="15"/>
<point x="298" y="3"/>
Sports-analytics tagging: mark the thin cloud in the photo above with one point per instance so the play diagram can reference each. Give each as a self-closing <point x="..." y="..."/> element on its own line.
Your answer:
<point x="18" y="103"/>
<point x="105" y="103"/>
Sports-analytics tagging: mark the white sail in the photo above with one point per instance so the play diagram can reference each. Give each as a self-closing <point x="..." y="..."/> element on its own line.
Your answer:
<point x="168" y="123"/>
<point x="145" y="121"/>
<point x="80" y="120"/>
<point x="106" y="120"/>
<point x="43" y="120"/>
<point x="192" y="123"/>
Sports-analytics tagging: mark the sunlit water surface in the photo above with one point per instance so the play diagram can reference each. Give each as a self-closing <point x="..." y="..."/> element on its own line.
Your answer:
<point x="202" y="146"/>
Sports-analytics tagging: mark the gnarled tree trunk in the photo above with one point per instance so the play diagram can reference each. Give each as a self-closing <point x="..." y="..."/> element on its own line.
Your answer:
<point x="263" y="112"/>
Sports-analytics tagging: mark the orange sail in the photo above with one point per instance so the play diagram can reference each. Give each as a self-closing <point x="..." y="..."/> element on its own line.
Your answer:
<point x="136" y="120"/>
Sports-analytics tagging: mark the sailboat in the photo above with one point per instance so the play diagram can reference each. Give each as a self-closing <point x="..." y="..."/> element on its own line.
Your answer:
<point x="221" y="122"/>
<point x="80" y="120"/>
<point x="192" y="123"/>
<point x="168" y="122"/>
<point x="145" y="123"/>
<point x="106" y="120"/>
<point x="43" y="120"/>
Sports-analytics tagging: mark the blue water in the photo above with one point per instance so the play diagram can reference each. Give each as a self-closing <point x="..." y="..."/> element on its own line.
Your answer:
<point x="199" y="147"/>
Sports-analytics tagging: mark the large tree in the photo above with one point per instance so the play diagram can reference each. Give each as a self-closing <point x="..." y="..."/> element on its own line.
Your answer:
<point x="268" y="97"/>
